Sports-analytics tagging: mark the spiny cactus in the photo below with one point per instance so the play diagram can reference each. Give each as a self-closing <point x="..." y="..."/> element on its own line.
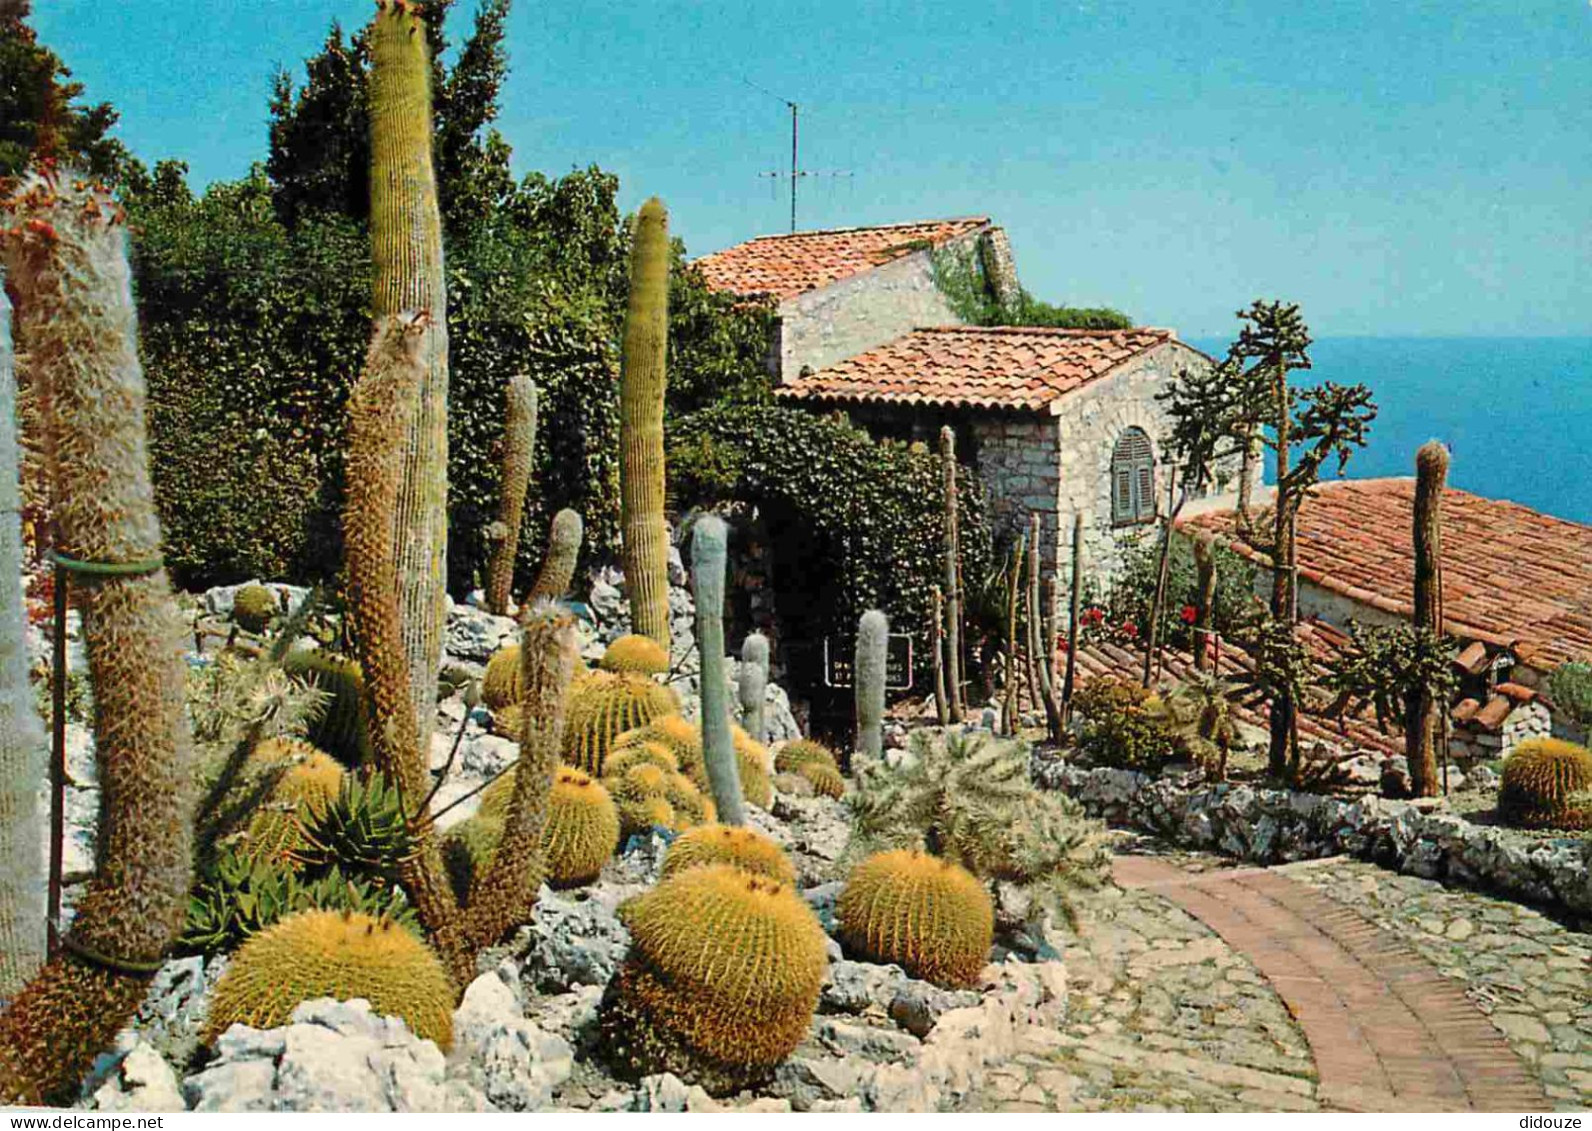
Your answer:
<point x="643" y="375"/>
<point x="604" y="705"/>
<point x="519" y="443"/>
<point x="303" y="777"/>
<point x="334" y="954"/>
<point x="1541" y="781"/>
<point x="253" y="606"/>
<point x="752" y="687"/>
<point x="507" y="722"/>
<point x="558" y="564"/>
<point x="681" y="739"/>
<point x="502" y="685"/>
<point x="408" y="275"/>
<point x="66" y="259"/>
<point x="23" y="765"/>
<point x="825" y="779"/>
<point x="582" y="825"/>
<point x="632" y="750"/>
<point x="342" y="727"/>
<point x="635" y="653"/>
<point x="929" y="916"/>
<point x="742" y="847"/>
<point x="801" y="751"/>
<point x="648" y="795"/>
<point x="956" y="703"/>
<point x="1424" y="709"/>
<point x="467" y="848"/>
<point x="868" y="673"/>
<point x="709" y="555"/>
<point x="721" y="980"/>
<point x="752" y="765"/>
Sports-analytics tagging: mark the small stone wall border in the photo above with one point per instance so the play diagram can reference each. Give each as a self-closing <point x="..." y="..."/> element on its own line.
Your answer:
<point x="1273" y="826"/>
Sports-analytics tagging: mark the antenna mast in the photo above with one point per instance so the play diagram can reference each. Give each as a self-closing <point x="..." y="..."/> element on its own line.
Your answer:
<point x="796" y="171"/>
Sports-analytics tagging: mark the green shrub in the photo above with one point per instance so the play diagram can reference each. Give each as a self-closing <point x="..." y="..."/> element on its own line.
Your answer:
<point x="1121" y="727"/>
<point x="1570" y="688"/>
<point x="1132" y="594"/>
<point x="864" y="516"/>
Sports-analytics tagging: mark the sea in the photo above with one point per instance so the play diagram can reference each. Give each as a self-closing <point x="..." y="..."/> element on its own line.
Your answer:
<point x="1516" y="413"/>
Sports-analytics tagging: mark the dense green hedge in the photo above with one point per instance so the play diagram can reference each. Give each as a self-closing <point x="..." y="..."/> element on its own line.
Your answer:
<point x="864" y="515"/>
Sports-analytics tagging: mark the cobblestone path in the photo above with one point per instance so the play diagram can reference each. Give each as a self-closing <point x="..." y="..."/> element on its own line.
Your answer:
<point x="1167" y="1014"/>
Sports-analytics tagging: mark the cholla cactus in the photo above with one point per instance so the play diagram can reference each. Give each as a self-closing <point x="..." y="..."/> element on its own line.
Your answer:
<point x="67" y="259"/>
<point x="22" y="744"/>
<point x="752" y="686"/>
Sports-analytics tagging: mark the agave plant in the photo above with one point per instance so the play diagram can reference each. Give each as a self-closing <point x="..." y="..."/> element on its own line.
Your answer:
<point x="969" y="798"/>
<point x="1198" y="716"/>
<point x="363" y="832"/>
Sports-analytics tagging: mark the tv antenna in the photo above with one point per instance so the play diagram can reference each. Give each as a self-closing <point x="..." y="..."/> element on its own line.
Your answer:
<point x="796" y="171"/>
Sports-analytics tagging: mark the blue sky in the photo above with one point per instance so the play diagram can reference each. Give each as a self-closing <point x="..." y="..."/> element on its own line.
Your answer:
<point x="1397" y="167"/>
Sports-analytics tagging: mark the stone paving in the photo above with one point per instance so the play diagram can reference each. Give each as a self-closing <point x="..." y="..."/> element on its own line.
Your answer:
<point x="1531" y="976"/>
<point x="1165" y="1015"/>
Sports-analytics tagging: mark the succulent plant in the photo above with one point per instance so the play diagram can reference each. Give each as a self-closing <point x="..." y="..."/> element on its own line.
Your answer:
<point x="709" y="555"/>
<point x="800" y="752"/>
<point x="604" y="705"/>
<point x="253" y="606"/>
<point x="558" y="564"/>
<point x="873" y="641"/>
<point x="825" y="779"/>
<point x="929" y="916"/>
<point x="503" y="685"/>
<point x="679" y="737"/>
<point x="635" y="653"/>
<point x="643" y="375"/>
<point x="342" y="727"/>
<point x="721" y="980"/>
<point x="336" y="954"/>
<point x="648" y="795"/>
<point x="1544" y="785"/>
<point x="303" y="782"/>
<point x="752" y="686"/>
<point x="582" y="828"/>
<point x="746" y="849"/>
<point x="362" y="831"/>
<point x="519" y="442"/>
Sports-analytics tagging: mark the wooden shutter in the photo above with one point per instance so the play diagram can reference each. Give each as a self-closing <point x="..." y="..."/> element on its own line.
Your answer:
<point x="1145" y="510"/>
<point x="1132" y="478"/>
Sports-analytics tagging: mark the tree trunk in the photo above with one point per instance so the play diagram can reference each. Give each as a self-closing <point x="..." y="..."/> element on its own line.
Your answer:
<point x="642" y="385"/>
<point x="23" y="762"/>
<point x="1204" y="623"/>
<point x="953" y="579"/>
<point x="1423" y="726"/>
<point x="1246" y="482"/>
<point x="406" y="246"/>
<point x="1282" y="708"/>
<point x="1152" y="650"/>
<point x="1075" y="613"/>
<point x="67" y="257"/>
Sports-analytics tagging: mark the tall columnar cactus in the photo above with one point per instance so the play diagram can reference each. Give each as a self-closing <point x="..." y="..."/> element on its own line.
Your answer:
<point x="406" y="245"/>
<point x="942" y="706"/>
<point x="558" y="564"/>
<point x="868" y="675"/>
<point x="519" y="443"/>
<point x="953" y="578"/>
<point x="641" y="388"/>
<point x="753" y="684"/>
<point x="709" y="551"/>
<point x="1205" y="609"/>
<point x="67" y="260"/>
<point x="23" y="764"/>
<point x="1423" y="731"/>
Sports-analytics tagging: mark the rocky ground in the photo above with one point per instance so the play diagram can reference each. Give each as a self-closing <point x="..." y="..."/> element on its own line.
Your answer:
<point x="1529" y="973"/>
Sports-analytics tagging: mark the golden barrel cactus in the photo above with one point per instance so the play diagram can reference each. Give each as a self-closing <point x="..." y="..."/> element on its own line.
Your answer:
<point x="824" y="778"/>
<point x="738" y="845"/>
<point x="682" y="738"/>
<point x="929" y="916"/>
<point x="648" y="795"/>
<point x="335" y="954"/>
<point x="581" y="832"/>
<point x="299" y="776"/>
<point x="635" y="653"/>
<point x="604" y="705"/>
<point x="1545" y="785"/>
<point x="503" y="685"/>
<point x="721" y="980"/>
<point x="799" y="752"/>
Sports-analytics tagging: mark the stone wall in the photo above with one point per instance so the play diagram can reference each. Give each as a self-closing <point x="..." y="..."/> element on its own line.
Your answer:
<point x="862" y="312"/>
<point x="1272" y="826"/>
<point x="1015" y="454"/>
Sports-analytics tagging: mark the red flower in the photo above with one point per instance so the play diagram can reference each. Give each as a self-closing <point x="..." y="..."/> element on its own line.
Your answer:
<point x="1130" y="630"/>
<point x="1094" y="616"/>
<point x="1189" y="614"/>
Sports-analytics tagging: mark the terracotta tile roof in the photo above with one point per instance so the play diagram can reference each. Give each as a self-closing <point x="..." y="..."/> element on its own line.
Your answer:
<point x="1512" y="576"/>
<point x="788" y="265"/>
<point x="977" y="366"/>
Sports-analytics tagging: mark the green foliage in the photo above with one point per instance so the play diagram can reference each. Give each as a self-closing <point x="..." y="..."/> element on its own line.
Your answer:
<point x="1570" y="688"/>
<point x="865" y="515"/>
<point x="253" y="607"/>
<point x="1121" y="726"/>
<point x="1198" y="717"/>
<point x="1383" y="666"/>
<point x="969" y="799"/>
<point x="1132" y="593"/>
<point x="959" y="275"/>
<point x="362" y="832"/>
<point x="245" y="895"/>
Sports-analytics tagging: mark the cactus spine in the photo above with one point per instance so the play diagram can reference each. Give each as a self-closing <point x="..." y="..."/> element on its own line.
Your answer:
<point x="558" y="565"/>
<point x="1423" y="730"/>
<point x="519" y="442"/>
<point x="67" y="259"/>
<point x="753" y="685"/>
<point x="641" y="388"/>
<point x="406" y="245"/>
<point x="953" y="579"/>
<point x="873" y="642"/>
<point x="23" y="765"/>
<point x="709" y="552"/>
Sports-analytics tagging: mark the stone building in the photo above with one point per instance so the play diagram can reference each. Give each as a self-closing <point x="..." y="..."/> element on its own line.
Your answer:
<point x="1517" y="591"/>
<point x="846" y="290"/>
<point x="1056" y="422"/>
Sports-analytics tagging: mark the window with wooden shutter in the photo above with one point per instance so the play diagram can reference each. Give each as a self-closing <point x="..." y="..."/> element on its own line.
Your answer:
<point x="1132" y="479"/>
